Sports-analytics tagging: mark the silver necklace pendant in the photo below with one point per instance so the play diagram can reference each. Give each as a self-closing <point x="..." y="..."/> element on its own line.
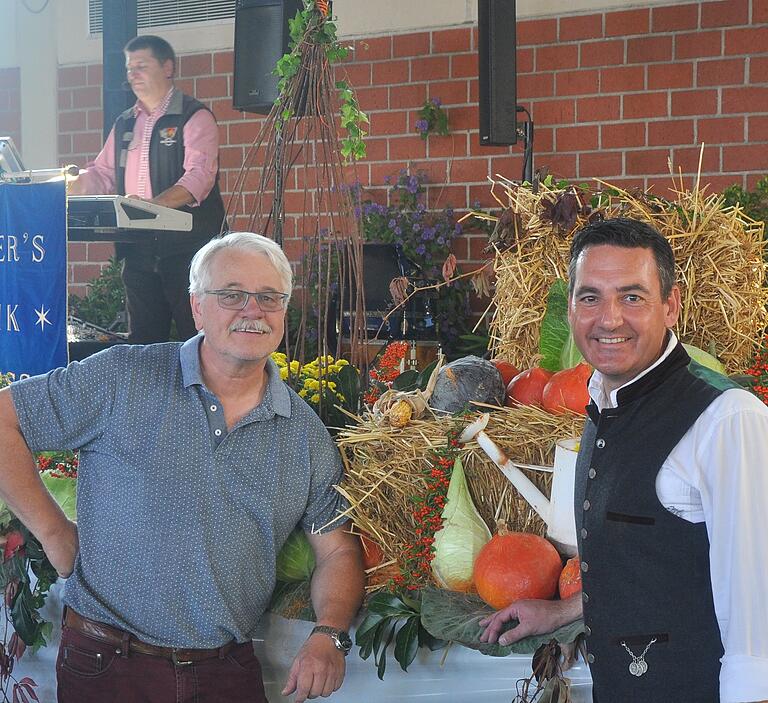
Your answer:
<point x="638" y="666"/>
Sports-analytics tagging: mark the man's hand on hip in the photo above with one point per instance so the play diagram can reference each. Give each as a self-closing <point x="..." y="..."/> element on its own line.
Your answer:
<point x="61" y="548"/>
<point x="317" y="670"/>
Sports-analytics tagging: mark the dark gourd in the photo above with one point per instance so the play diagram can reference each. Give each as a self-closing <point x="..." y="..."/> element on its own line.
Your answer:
<point x="464" y="380"/>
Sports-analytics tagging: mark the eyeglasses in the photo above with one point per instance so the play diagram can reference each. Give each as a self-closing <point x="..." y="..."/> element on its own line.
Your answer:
<point x="232" y="299"/>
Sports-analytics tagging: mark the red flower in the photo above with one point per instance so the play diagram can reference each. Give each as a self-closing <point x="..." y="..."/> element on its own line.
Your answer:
<point x="14" y="541"/>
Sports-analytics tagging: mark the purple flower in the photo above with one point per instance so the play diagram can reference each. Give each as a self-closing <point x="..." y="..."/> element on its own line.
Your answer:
<point x="357" y="211"/>
<point x="422" y="125"/>
<point x="421" y="250"/>
<point x="387" y="180"/>
<point x="398" y="231"/>
<point x="436" y="102"/>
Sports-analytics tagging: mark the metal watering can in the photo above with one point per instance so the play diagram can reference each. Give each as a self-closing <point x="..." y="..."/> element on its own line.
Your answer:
<point x="557" y="511"/>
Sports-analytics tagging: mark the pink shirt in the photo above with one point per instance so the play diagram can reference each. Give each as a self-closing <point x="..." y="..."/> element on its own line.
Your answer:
<point x="201" y="156"/>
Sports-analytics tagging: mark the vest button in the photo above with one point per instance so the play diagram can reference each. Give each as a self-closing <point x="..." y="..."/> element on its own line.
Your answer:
<point x="586" y="505"/>
<point x="584" y="566"/>
<point x="585" y="597"/>
<point x="587" y="630"/>
<point x="590" y="658"/>
<point x="584" y="533"/>
<point x="600" y="443"/>
<point x="592" y="473"/>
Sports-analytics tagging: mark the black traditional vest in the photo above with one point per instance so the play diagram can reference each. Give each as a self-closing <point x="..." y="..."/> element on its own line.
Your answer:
<point x="166" y="166"/>
<point x="645" y="571"/>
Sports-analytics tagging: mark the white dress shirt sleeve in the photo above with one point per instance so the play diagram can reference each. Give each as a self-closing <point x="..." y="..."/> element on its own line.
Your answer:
<point x="731" y="458"/>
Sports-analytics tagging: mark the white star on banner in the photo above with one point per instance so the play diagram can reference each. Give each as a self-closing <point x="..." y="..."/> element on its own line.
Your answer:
<point x="42" y="317"/>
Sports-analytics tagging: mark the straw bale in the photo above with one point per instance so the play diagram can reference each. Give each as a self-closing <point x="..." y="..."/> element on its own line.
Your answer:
<point x="719" y="253"/>
<point x="384" y="470"/>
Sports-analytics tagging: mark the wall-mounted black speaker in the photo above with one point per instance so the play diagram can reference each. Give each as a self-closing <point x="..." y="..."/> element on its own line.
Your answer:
<point x="497" y="48"/>
<point x="261" y="38"/>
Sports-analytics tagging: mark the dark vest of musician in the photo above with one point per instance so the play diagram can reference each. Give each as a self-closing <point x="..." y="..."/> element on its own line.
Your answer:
<point x="652" y="634"/>
<point x="166" y="166"/>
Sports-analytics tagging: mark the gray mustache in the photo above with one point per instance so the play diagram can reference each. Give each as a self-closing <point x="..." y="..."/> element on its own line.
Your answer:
<point x="250" y="326"/>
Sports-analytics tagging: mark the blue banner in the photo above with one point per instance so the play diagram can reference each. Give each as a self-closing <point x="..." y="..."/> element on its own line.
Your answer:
<point x="33" y="278"/>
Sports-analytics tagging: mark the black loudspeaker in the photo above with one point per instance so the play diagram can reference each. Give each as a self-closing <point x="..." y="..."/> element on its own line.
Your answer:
<point x="261" y="39"/>
<point x="119" y="27"/>
<point x="497" y="47"/>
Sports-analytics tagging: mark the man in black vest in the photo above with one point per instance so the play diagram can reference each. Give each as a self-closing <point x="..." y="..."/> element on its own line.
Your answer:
<point x="670" y="498"/>
<point x="163" y="149"/>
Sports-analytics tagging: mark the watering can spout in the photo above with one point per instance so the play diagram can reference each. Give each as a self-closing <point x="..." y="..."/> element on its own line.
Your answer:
<point x="537" y="500"/>
<point x="557" y="513"/>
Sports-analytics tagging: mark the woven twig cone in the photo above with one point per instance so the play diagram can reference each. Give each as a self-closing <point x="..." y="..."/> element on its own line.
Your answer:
<point x="719" y="254"/>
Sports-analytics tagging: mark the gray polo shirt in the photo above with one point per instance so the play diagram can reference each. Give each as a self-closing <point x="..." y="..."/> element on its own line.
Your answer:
<point x="179" y="520"/>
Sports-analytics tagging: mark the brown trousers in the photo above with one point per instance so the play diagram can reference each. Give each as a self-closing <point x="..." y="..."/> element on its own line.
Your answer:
<point x="91" y="671"/>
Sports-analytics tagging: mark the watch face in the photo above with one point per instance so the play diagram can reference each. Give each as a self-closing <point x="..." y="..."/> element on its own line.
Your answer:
<point x="345" y="641"/>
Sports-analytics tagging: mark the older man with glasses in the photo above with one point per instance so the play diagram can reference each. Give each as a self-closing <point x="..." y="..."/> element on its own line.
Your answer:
<point x="196" y="463"/>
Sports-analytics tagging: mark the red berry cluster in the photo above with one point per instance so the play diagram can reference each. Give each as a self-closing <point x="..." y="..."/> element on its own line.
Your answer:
<point x="386" y="370"/>
<point x="58" y="466"/>
<point x="759" y="372"/>
<point x="416" y="571"/>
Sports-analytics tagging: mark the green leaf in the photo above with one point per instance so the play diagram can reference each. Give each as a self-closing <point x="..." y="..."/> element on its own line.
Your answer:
<point x="712" y="377"/>
<point x="64" y="492"/>
<point x="407" y="642"/>
<point x="406" y="381"/>
<point x="570" y="356"/>
<point x="348" y="384"/>
<point x="423" y="378"/>
<point x="388" y="605"/>
<point x="365" y="631"/>
<point x="554" y="326"/>
<point x="449" y="615"/>
<point x="23" y="616"/>
<point x="381" y="641"/>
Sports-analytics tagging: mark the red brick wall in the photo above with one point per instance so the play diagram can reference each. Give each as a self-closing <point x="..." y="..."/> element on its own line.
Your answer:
<point x="613" y="95"/>
<point x="10" y="104"/>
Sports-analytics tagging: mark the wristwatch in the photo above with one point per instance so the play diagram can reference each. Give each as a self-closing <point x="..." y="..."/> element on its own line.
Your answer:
<point x="341" y="639"/>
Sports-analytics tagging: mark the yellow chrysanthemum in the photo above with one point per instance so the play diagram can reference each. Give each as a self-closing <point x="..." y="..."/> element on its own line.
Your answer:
<point x="295" y="366"/>
<point x="283" y="372"/>
<point x="303" y="393"/>
<point x="315" y="398"/>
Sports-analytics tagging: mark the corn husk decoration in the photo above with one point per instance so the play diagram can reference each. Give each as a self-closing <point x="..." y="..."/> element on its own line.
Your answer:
<point x="461" y="538"/>
<point x="398" y="408"/>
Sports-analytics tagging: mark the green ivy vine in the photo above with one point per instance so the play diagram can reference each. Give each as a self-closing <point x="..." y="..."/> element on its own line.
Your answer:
<point x="311" y="25"/>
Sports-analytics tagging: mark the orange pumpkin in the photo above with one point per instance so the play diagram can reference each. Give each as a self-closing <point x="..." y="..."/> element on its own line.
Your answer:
<point x="516" y="565"/>
<point x="526" y="388"/>
<point x="372" y="553"/>
<point x="507" y="371"/>
<point x="570" y="578"/>
<point x="567" y="389"/>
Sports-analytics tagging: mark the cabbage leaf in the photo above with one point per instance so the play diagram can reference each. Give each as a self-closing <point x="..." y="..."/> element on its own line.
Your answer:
<point x="449" y="615"/>
<point x="555" y="329"/>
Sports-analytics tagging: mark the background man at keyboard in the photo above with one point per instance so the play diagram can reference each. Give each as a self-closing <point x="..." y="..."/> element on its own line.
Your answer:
<point x="163" y="149"/>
